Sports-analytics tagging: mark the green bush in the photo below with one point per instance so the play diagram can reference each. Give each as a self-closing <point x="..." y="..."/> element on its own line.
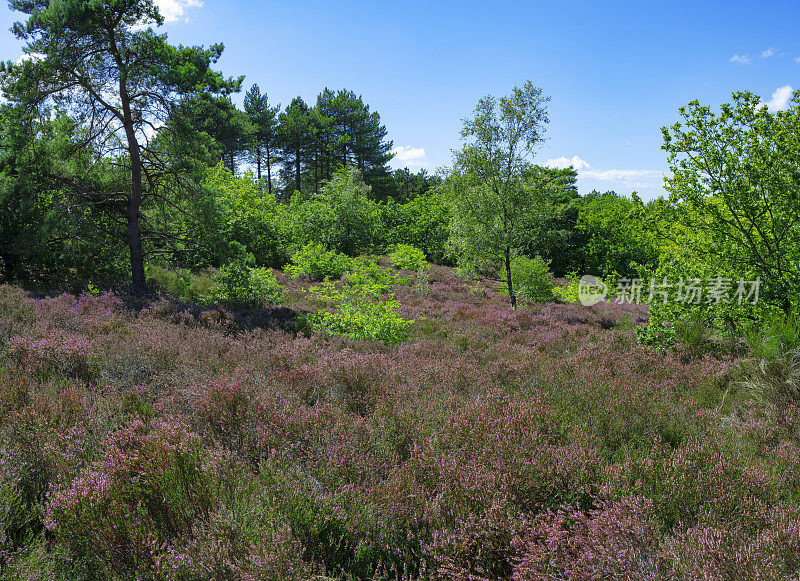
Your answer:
<point x="360" y="316"/>
<point x="314" y="261"/>
<point x="407" y="257"/>
<point x="531" y="278"/>
<point x="182" y="283"/>
<point x="341" y="216"/>
<point x="567" y="293"/>
<point x="359" y="312"/>
<point x="680" y="264"/>
<point x="241" y="212"/>
<point x="241" y="285"/>
<point x="423" y="222"/>
<point x="368" y="276"/>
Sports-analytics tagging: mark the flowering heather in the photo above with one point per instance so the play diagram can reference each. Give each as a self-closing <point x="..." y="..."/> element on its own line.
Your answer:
<point x="541" y="443"/>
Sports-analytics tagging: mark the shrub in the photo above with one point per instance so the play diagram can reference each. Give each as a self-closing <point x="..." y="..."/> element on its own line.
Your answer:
<point x="17" y="312"/>
<point x="176" y="282"/>
<point x="366" y="275"/>
<point x="314" y="261"/>
<point x="407" y="257"/>
<point x="684" y="261"/>
<point x="56" y="352"/>
<point x="362" y="317"/>
<point x="359" y="314"/>
<point x="151" y="484"/>
<point x="615" y="541"/>
<point x="423" y="222"/>
<point x="567" y="293"/>
<point x="531" y="278"/>
<point x="341" y="216"/>
<point x="182" y="283"/>
<point x="241" y="212"/>
<point x="239" y="284"/>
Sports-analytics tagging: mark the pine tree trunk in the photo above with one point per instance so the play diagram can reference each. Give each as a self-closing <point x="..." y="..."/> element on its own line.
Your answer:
<point x="138" y="282"/>
<point x="297" y="169"/>
<point x="269" y="172"/>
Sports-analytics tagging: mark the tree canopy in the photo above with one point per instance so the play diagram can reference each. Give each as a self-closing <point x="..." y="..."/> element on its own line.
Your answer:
<point x="736" y="181"/>
<point x="497" y="196"/>
<point x="102" y="62"/>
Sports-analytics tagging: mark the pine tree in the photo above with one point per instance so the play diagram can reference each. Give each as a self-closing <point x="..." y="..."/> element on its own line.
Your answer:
<point x="264" y="120"/>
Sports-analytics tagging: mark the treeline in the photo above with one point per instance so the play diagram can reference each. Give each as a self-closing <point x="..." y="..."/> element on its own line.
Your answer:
<point x="305" y="143"/>
<point x="65" y="187"/>
<point x="117" y="163"/>
<point x="108" y="131"/>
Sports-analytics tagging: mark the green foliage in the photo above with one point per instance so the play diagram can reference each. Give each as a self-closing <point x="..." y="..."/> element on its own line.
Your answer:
<point x="315" y="261"/>
<point x="735" y="182"/>
<point x="220" y="119"/>
<point x="423" y="222"/>
<point x="264" y="121"/>
<point x="497" y="197"/>
<point x="615" y="236"/>
<point x="104" y="64"/>
<point x="360" y="315"/>
<point x="364" y="306"/>
<point x="237" y="284"/>
<point x="776" y="336"/>
<point x="240" y="284"/>
<point x="772" y="373"/>
<point x="531" y="277"/>
<point x="347" y="133"/>
<point x="683" y="258"/>
<point x="733" y="214"/>
<point x="407" y="257"/>
<point x="409" y="186"/>
<point x="567" y="293"/>
<point x="295" y="137"/>
<point x="248" y="216"/>
<point x="369" y="277"/>
<point x="181" y="282"/>
<point x="341" y="217"/>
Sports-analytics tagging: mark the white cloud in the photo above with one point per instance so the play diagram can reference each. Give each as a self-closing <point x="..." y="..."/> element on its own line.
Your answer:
<point x="740" y="58"/>
<point x="771" y="51"/>
<point x="631" y="178"/>
<point x="174" y="10"/>
<point x="780" y="99"/>
<point x="409" y="156"/>
<point x="797" y="60"/>
<point x="564" y="162"/>
<point x="619" y="178"/>
<point x="33" y="56"/>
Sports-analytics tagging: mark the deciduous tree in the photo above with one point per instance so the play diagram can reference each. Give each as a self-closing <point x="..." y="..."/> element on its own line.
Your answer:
<point x="497" y="199"/>
<point x="736" y="182"/>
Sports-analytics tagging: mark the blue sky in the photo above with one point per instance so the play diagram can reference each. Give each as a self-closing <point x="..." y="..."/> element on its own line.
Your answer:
<point x="616" y="71"/>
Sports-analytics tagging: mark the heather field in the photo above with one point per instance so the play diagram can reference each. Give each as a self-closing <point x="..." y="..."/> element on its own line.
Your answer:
<point x="161" y="440"/>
